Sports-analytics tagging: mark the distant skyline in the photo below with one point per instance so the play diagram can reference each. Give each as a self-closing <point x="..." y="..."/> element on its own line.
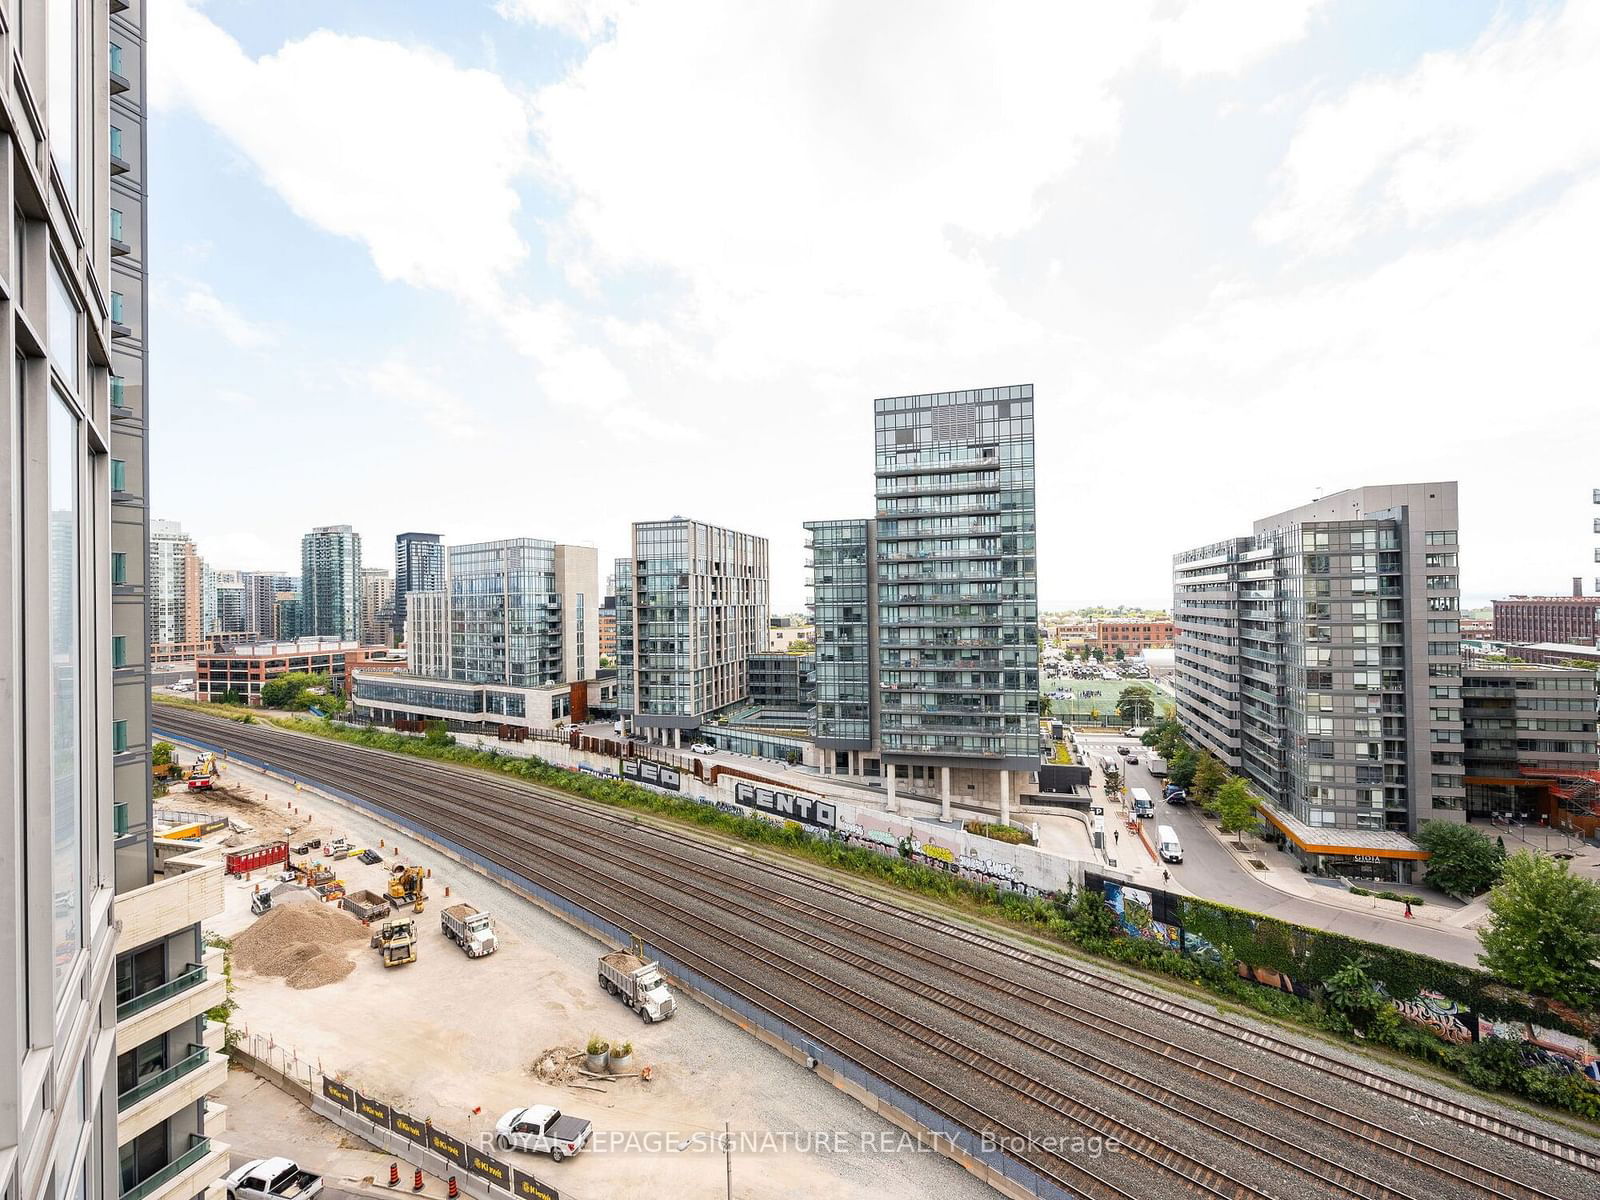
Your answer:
<point x="631" y="261"/>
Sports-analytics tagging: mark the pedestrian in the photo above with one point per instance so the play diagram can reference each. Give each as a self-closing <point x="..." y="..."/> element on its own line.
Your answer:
<point x="1409" y="917"/>
<point x="1166" y="876"/>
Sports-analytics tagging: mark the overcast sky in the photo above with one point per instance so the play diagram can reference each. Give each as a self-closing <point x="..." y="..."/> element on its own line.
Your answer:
<point x="543" y="267"/>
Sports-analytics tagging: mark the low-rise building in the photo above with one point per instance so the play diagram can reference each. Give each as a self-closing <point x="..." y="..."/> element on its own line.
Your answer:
<point x="781" y="680"/>
<point x="1526" y="728"/>
<point x="1548" y="618"/>
<point x="400" y="698"/>
<point x="1131" y="634"/>
<point x="785" y="634"/>
<point x="243" y="669"/>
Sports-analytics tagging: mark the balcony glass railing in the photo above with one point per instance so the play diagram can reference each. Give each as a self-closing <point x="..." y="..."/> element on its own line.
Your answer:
<point x="116" y="59"/>
<point x="193" y="975"/>
<point x="119" y="826"/>
<point x="149" y="1087"/>
<point x="199" y="1147"/>
<point x="116" y="142"/>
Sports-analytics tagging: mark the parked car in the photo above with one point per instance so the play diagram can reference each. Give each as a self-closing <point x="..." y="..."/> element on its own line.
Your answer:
<point x="1168" y="845"/>
<point x="702" y="748"/>
<point x="1176" y="796"/>
<point x="540" y="1129"/>
<point x="272" y="1179"/>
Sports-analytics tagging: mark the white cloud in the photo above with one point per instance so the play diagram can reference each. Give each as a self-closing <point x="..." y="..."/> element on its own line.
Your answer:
<point x="426" y="185"/>
<point x="205" y="306"/>
<point x="586" y="19"/>
<point x="1223" y="37"/>
<point x="1462" y="131"/>
<point x="398" y="385"/>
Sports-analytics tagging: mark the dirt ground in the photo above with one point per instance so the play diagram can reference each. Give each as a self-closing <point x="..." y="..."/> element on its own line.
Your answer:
<point x="457" y="1039"/>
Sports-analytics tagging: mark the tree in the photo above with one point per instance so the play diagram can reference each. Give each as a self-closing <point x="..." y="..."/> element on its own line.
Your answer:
<point x="1463" y="861"/>
<point x="1544" y="930"/>
<point x="1237" y="807"/>
<point x="1136" y="704"/>
<point x="1351" y="993"/>
<point x="1099" y="654"/>
<point x="801" y="646"/>
<point x="437" y="733"/>
<point x="1181" y="766"/>
<point x="1113" y="781"/>
<point x="161" y="754"/>
<point x="231" y="696"/>
<point x="1121" y="654"/>
<point x="1209" y="775"/>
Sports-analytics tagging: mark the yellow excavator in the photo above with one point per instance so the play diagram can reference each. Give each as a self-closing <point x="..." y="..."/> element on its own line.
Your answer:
<point x="406" y="887"/>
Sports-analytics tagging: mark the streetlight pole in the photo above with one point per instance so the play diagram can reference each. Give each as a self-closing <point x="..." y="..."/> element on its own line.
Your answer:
<point x="727" y="1154"/>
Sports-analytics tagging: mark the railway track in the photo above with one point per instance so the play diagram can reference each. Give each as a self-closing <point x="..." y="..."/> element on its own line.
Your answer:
<point x="1014" y="1007"/>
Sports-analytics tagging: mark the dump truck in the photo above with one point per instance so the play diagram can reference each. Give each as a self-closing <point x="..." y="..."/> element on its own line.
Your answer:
<point x="396" y="941"/>
<point x="638" y="984"/>
<point x="470" y="928"/>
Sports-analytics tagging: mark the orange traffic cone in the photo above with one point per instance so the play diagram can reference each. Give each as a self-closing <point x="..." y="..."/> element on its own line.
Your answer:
<point x="452" y="1191"/>
<point x="394" y="1174"/>
<point x="416" y="1181"/>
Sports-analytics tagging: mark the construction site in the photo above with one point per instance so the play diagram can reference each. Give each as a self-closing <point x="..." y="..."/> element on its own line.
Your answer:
<point x="366" y="955"/>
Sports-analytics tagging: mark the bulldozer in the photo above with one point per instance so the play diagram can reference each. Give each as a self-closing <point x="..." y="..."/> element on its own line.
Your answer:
<point x="406" y="887"/>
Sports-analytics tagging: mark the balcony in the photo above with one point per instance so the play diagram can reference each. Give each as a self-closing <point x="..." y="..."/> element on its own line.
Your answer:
<point x="192" y="1061"/>
<point x="191" y="1173"/>
<point x="190" y="891"/>
<point x="193" y="976"/>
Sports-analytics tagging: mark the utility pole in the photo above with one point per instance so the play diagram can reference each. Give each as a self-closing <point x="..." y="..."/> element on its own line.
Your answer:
<point x="727" y="1154"/>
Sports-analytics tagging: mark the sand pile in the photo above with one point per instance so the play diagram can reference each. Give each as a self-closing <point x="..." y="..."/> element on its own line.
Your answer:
<point x="306" y="945"/>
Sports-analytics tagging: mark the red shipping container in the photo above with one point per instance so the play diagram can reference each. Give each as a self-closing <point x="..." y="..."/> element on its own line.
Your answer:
<point x="256" y="857"/>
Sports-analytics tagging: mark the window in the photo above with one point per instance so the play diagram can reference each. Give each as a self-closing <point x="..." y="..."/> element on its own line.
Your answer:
<point x="119" y="567"/>
<point x="119" y="651"/>
<point x="119" y="396"/>
<point x="119" y="475"/>
<point x="116" y="307"/>
<point x="119" y="736"/>
<point x="63" y="332"/>
<point x="66" y="786"/>
<point x="116" y="141"/>
<point x="1439" y="537"/>
<point x="116" y="225"/>
<point x="116" y="59"/>
<point x="61" y="37"/>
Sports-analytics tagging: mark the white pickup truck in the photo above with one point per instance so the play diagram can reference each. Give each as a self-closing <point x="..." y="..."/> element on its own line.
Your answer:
<point x="272" y="1179"/>
<point x="540" y="1129"/>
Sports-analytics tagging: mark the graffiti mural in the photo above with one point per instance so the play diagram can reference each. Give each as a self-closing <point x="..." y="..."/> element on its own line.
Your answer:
<point x="1439" y="1015"/>
<point x="1135" y="908"/>
<point x="1543" y="1047"/>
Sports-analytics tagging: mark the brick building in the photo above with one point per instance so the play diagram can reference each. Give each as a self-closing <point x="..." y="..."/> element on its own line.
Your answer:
<point x="1547" y="619"/>
<point x="1131" y="635"/>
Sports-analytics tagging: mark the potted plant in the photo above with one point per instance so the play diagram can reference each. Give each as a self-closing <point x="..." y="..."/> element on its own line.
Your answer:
<point x="595" y="1054"/>
<point x="620" y="1058"/>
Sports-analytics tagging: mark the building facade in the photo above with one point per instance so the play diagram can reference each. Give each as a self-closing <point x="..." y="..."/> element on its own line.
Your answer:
<point x="785" y="635"/>
<point x="377" y="606"/>
<point x="927" y="615"/>
<point x="419" y="566"/>
<point x="261" y="591"/>
<point x="243" y="669"/>
<point x="699" y="604"/>
<point x="330" y="583"/>
<point x="1523" y="726"/>
<point x="176" y="585"/>
<point x="1131" y="635"/>
<point x="75" y="633"/>
<point x="1547" y="619"/>
<point x="224" y="605"/>
<point x="608" y="627"/>
<point x="1321" y="659"/>
<point x="784" y="681"/>
<point x="428" y="634"/>
<point x="523" y="612"/>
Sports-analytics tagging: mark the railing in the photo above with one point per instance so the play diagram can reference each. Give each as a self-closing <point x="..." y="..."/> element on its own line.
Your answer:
<point x="193" y="976"/>
<point x="152" y="1085"/>
<point x="119" y="818"/>
<point x="199" y="1147"/>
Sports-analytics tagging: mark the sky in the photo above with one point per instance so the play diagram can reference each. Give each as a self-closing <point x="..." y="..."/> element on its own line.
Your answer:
<point x="501" y="268"/>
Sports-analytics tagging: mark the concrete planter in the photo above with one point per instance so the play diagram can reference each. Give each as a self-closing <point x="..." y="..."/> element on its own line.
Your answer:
<point x="595" y="1062"/>
<point x="619" y="1064"/>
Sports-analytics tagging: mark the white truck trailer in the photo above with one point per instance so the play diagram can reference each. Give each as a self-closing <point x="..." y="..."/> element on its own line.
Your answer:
<point x="638" y="984"/>
<point x="470" y="928"/>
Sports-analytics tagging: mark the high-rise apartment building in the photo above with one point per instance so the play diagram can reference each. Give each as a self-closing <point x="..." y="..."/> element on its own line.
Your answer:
<point x="175" y="585"/>
<point x="419" y="566"/>
<point x="699" y="607"/>
<point x="927" y="616"/>
<point x="225" y="602"/>
<point x="1321" y="658"/>
<point x="330" y="583"/>
<point x="428" y="634"/>
<point x="377" y="606"/>
<point x="78" y="1118"/>
<point x="608" y="626"/>
<point x="519" y="609"/>
<point x="261" y="591"/>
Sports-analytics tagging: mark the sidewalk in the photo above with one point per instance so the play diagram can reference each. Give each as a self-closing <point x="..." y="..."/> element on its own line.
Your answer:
<point x="264" y="1121"/>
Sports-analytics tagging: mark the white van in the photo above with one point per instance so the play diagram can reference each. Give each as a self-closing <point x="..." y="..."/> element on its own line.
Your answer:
<point x="1168" y="845"/>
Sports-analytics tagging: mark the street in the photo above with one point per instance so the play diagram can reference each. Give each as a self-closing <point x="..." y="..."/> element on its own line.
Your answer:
<point x="1209" y="870"/>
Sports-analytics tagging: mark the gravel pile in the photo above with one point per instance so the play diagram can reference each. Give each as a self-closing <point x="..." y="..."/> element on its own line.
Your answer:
<point x="305" y="945"/>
